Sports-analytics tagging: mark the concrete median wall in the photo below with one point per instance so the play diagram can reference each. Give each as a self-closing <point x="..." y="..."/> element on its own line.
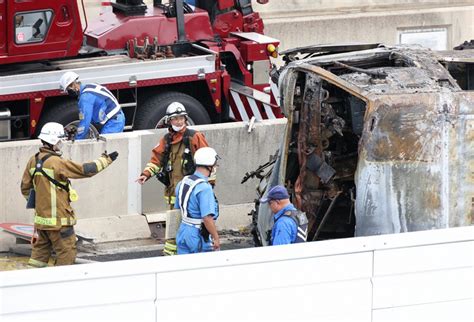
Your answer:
<point x="111" y="204"/>
<point x="418" y="276"/>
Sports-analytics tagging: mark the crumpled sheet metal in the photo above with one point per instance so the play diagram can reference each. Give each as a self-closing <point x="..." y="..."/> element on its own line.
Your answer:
<point x="416" y="162"/>
<point x="265" y="215"/>
<point x="416" y="155"/>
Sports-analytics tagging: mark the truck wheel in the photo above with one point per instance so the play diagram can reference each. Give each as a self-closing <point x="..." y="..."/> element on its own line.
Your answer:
<point x="151" y="112"/>
<point x="66" y="113"/>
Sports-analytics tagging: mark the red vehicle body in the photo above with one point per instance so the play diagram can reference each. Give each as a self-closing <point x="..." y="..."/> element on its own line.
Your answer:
<point x="213" y="58"/>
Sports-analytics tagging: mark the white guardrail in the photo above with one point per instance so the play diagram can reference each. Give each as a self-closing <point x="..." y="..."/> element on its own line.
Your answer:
<point x="421" y="276"/>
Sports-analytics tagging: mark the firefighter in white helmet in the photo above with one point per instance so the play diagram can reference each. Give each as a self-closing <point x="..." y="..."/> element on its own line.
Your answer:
<point x="47" y="188"/>
<point x="199" y="207"/>
<point x="97" y="105"/>
<point x="172" y="157"/>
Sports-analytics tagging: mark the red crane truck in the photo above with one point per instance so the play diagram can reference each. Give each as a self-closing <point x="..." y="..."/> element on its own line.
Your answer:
<point x="213" y="58"/>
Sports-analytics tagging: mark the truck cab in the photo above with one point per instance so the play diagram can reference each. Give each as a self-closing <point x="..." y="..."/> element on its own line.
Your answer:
<point x="39" y="30"/>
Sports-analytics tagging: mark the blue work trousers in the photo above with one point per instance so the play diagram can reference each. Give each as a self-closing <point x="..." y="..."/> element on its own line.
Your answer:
<point x="114" y="125"/>
<point x="189" y="240"/>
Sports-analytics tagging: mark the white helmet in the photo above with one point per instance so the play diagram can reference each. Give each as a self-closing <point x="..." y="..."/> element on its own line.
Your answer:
<point x="67" y="79"/>
<point x="52" y="133"/>
<point x="175" y="109"/>
<point x="206" y="157"/>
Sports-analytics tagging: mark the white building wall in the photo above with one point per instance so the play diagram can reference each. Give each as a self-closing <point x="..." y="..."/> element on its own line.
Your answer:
<point x="421" y="276"/>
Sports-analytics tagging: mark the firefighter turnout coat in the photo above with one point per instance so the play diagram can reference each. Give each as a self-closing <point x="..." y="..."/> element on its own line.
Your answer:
<point x="53" y="205"/>
<point x="175" y="159"/>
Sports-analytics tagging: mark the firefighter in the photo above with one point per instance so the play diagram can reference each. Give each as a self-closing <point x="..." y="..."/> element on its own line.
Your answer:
<point x="46" y="179"/>
<point x="96" y="105"/>
<point x="290" y="225"/>
<point x="172" y="157"/>
<point x="199" y="207"/>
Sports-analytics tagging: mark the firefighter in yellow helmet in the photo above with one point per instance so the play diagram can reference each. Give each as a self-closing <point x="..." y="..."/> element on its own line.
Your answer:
<point x="47" y="188"/>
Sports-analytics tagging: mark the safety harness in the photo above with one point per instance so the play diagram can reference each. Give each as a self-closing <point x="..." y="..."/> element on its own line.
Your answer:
<point x="301" y="221"/>
<point x="39" y="168"/>
<point x="187" y="158"/>
<point x="66" y="187"/>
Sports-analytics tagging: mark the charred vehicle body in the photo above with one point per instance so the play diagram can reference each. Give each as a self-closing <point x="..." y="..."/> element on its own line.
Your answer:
<point x="379" y="140"/>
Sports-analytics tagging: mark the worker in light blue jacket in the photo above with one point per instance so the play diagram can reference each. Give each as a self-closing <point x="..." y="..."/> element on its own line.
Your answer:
<point x="96" y="105"/>
<point x="197" y="232"/>
<point x="290" y="225"/>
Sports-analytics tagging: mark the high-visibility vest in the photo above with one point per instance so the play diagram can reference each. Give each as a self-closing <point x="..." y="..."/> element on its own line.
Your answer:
<point x="100" y="90"/>
<point x="301" y="223"/>
<point x="184" y="193"/>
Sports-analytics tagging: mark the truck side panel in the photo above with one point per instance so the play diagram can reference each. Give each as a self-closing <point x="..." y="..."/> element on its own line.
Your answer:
<point x="3" y="27"/>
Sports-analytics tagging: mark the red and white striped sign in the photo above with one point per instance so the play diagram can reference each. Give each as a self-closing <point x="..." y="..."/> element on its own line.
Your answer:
<point x="246" y="102"/>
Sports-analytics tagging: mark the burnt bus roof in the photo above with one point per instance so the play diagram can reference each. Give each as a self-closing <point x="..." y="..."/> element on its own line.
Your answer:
<point x="401" y="69"/>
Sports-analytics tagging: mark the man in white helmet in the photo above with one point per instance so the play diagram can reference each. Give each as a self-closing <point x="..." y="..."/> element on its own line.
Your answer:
<point x="96" y="105"/>
<point x="46" y="180"/>
<point x="199" y="206"/>
<point x="172" y="157"/>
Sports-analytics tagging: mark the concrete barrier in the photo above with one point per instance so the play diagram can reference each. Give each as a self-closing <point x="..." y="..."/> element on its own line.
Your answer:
<point x="111" y="204"/>
<point x="420" y="276"/>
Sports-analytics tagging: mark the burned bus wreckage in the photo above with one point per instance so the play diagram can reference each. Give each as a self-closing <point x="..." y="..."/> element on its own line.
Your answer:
<point x="378" y="141"/>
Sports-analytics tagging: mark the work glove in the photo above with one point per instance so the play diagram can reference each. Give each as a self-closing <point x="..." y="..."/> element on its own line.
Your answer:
<point x="109" y="157"/>
<point x="113" y="155"/>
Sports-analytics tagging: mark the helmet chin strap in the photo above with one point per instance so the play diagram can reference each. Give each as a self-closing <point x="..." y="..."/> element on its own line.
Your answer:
<point x="52" y="147"/>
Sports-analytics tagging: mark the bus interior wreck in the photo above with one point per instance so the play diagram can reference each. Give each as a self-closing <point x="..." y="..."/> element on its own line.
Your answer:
<point x="375" y="140"/>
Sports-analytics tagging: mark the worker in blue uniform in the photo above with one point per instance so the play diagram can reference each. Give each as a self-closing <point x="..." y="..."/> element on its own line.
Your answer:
<point x="96" y="105"/>
<point x="290" y="225"/>
<point x="199" y="207"/>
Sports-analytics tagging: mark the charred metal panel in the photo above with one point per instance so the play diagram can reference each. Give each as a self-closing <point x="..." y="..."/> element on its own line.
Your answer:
<point x="404" y="128"/>
<point x="309" y="143"/>
<point x="462" y="153"/>
<point x="411" y="170"/>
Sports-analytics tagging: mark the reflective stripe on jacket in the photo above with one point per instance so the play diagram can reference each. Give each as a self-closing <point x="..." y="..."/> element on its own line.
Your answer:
<point x="184" y="193"/>
<point x="197" y="141"/>
<point x="97" y="105"/>
<point x="53" y="208"/>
